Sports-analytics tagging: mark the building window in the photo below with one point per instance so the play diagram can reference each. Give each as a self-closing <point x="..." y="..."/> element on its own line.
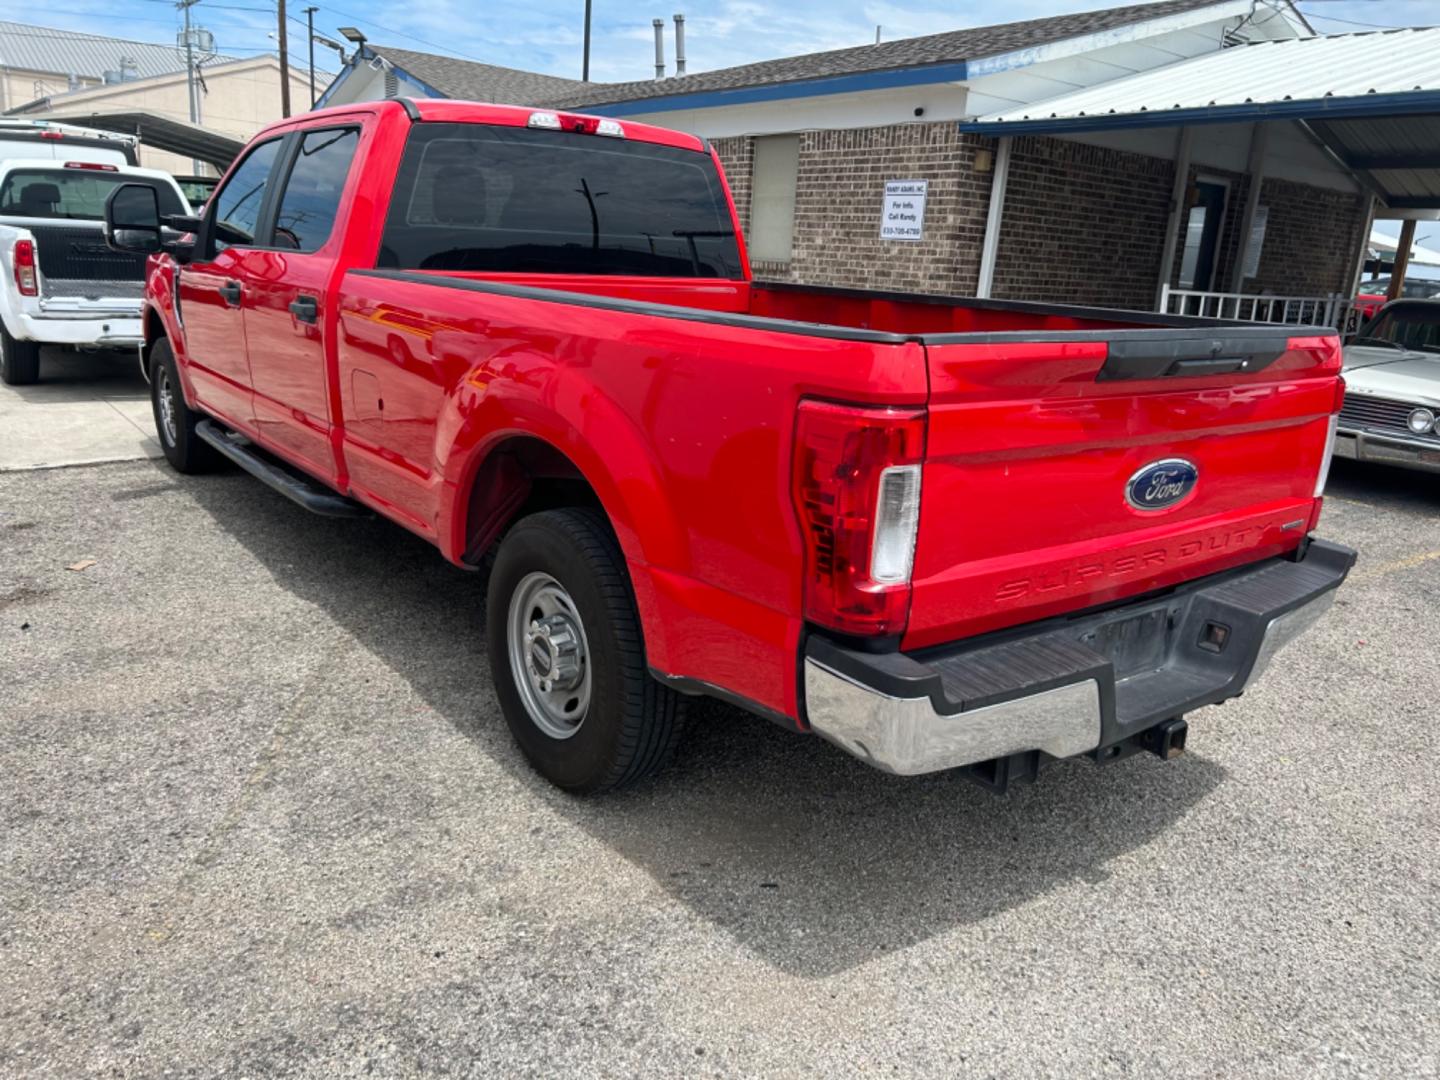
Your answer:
<point x="772" y="197"/>
<point x="1206" y="201"/>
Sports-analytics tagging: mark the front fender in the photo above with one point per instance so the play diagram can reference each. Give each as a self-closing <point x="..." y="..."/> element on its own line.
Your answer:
<point x="162" y="320"/>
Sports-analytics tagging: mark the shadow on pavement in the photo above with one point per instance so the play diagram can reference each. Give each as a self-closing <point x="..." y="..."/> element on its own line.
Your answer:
<point x="811" y="860"/>
<point x="104" y="373"/>
<point x="1385" y="485"/>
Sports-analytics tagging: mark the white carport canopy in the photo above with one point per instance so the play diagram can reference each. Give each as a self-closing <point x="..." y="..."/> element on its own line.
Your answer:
<point x="1386" y="246"/>
<point x="1372" y="99"/>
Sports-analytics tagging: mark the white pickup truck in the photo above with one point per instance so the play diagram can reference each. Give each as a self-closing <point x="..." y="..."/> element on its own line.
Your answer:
<point x="59" y="283"/>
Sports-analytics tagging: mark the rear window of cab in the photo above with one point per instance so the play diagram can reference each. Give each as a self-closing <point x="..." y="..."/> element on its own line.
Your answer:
<point x="472" y="197"/>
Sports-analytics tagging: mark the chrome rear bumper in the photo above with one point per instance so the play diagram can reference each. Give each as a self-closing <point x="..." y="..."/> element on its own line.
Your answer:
<point x="1062" y="690"/>
<point x="1401" y="450"/>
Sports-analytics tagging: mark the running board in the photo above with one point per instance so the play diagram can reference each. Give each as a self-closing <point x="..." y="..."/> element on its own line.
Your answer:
<point x="312" y="495"/>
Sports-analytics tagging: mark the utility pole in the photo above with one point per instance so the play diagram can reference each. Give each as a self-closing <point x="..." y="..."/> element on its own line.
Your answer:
<point x="185" y="6"/>
<point x="310" y="39"/>
<point x="585" y="66"/>
<point x="192" y="93"/>
<point x="284" y="65"/>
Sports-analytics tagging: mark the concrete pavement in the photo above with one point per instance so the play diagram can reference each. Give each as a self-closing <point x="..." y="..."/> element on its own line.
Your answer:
<point x="87" y="408"/>
<point x="262" y="818"/>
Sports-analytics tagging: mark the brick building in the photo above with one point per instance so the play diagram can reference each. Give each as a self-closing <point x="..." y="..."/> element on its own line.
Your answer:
<point x="1024" y="196"/>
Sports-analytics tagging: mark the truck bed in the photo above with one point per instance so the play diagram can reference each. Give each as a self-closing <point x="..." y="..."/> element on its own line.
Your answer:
<point x="1036" y="417"/>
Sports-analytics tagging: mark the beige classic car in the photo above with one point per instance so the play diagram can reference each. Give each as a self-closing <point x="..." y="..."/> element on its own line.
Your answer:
<point x="1392" y="388"/>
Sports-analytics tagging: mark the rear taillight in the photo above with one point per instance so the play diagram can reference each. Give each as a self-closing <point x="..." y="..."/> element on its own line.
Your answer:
<point x="1323" y="476"/>
<point x="23" y="257"/>
<point x="857" y="490"/>
<point x="94" y="166"/>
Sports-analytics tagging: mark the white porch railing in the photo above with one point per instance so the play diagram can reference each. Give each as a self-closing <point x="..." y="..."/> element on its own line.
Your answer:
<point x="1336" y="311"/>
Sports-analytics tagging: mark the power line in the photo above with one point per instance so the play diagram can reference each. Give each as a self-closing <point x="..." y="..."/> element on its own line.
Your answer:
<point x="1355" y="22"/>
<point x="401" y="33"/>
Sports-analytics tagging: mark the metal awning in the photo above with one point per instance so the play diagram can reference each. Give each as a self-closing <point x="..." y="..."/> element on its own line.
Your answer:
<point x="163" y="133"/>
<point x="1372" y="98"/>
<point x="1386" y="246"/>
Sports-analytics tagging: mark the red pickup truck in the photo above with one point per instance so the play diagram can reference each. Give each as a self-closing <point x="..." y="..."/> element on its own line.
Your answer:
<point x="939" y="532"/>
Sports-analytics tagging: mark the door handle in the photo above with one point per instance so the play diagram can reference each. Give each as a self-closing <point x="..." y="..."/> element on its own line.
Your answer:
<point x="305" y="308"/>
<point x="230" y="292"/>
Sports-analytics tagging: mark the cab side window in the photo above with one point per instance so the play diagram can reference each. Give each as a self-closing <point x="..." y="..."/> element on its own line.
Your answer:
<point x="238" y="204"/>
<point x="311" y="199"/>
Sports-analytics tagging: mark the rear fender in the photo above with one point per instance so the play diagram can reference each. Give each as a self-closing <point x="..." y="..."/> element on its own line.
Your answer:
<point x="593" y="433"/>
<point x="11" y="302"/>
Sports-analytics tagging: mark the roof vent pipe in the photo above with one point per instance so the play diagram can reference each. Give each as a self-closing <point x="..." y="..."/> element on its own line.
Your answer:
<point x="659" y="25"/>
<point x="679" y="44"/>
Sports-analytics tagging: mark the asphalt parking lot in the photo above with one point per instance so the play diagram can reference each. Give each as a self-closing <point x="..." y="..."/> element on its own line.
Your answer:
<point x="262" y="818"/>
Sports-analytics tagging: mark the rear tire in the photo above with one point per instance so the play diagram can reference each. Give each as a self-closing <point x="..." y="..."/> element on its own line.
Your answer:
<point x="174" y="420"/>
<point x="568" y="659"/>
<point x="19" y="360"/>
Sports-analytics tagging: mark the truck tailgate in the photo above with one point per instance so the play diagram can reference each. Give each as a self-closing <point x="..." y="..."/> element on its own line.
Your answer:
<point x="1033" y="445"/>
<point x="77" y="252"/>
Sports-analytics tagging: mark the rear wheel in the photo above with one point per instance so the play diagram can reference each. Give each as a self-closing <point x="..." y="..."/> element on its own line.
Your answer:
<point x="19" y="360"/>
<point x="174" y="420"/>
<point x="568" y="659"/>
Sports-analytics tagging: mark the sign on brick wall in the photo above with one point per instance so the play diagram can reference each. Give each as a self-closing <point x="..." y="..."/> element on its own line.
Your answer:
<point x="902" y="215"/>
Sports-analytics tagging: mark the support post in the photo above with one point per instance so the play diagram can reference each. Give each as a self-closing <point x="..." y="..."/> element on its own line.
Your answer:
<point x="310" y="40"/>
<point x="1177" y="210"/>
<point x="585" y="60"/>
<point x="284" y="63"/>
<point x="990" y="249"/>
<point x="1402" y="259"/>
<point x="1364" y="254"/>
<point x="1259" y="136"/>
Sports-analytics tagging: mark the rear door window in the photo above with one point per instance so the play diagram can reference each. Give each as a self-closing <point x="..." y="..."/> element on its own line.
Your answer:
<point x="311" y="199"/>
<point x="478" y="198"/>
<point x="239" y="202"/>
<point x="72" y="194"/>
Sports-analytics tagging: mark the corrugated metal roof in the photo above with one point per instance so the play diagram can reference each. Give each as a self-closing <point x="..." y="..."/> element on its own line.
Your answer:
<point x="931" y="49"/>
<point x="66" y="52"/>
<point x="1266" y="73"/>
<point x="1373" y="99"/>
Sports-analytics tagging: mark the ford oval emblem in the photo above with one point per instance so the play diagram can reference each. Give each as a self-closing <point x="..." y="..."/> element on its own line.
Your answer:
<point x="1161" y="484"/>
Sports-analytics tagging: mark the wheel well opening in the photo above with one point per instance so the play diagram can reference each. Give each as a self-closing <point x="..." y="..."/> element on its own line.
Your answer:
<point x="154" y="332"/>
<point x="521" y="476"/>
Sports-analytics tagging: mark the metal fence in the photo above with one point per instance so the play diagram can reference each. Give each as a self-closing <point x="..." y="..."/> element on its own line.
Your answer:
<point x="1337" y="311"/>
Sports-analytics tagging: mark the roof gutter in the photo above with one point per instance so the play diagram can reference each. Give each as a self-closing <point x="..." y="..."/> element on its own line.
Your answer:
<point x="1415" y="102"/>
<point x="749" y="95"/>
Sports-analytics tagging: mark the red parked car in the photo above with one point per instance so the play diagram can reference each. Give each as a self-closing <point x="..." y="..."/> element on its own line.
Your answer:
<point x="939" y="532"/>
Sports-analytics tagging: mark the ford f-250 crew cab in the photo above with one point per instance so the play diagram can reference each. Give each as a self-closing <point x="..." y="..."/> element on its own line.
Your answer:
<point x="60" y="284"/>
<point x="941" y="533"/>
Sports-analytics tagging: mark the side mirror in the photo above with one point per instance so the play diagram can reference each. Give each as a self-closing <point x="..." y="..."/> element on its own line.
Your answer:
<point x="132" y="219"/>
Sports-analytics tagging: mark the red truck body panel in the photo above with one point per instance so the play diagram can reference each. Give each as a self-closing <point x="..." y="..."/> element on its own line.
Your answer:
<point x="1027" y="435"/>
<point x="676" y="400"/>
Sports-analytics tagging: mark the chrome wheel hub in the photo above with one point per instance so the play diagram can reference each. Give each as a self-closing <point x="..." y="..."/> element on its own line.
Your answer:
<point x="165" y="398"/>
<point x="549" y="656"/>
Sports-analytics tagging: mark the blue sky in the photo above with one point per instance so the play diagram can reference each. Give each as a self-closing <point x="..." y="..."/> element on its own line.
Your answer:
<point x="545" y="35"/>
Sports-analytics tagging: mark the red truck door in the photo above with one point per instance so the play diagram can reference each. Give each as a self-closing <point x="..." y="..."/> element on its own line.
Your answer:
<point x="286" y="298"/>
<point x="212" y="287"/>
